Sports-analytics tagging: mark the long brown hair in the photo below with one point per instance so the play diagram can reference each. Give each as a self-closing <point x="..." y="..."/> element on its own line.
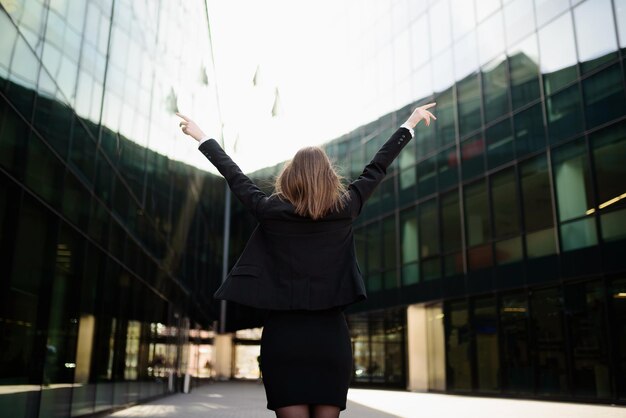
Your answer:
<point x="311" y="184"/>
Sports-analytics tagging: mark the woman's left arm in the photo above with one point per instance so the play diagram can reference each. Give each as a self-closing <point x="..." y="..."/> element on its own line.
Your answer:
<point x="246" y="191"/>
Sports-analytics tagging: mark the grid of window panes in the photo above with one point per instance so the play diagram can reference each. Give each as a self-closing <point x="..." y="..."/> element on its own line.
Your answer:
<point x="547" y="342"/>
<point x="111" y="247"/>
<point x="378" y="346"/>
<point x="519" y="179"/>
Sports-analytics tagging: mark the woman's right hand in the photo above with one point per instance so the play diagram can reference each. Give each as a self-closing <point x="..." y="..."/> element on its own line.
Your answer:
<point x="421" y="113"/>
<point x="189" y="127"/>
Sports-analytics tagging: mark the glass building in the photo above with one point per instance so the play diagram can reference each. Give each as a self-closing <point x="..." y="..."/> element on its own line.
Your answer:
<point x="501" y="229"/>
<point x="111" y="241"/>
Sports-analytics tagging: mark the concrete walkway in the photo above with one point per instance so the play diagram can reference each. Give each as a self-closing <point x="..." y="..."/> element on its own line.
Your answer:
<point x="247" y="400"/>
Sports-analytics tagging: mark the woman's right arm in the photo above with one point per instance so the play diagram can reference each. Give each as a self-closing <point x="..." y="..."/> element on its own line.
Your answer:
<point x="240" y="184"/>
<point x="363" y="187"/>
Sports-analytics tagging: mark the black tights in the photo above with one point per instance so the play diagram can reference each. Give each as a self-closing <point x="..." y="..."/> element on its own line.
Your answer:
<point x="308" y="411"/>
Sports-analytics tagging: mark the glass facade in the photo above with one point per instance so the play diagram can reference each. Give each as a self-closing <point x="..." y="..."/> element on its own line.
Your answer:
<point x="510" y="207"/>
<point x="111" y="238"/>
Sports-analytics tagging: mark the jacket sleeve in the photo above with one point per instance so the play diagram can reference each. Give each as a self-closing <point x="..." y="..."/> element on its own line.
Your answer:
<point x="246" y="191"/>
<point x="363" y="187"/>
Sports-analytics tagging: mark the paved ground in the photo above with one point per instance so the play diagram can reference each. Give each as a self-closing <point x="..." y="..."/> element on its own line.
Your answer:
<point x="247" y="400"/>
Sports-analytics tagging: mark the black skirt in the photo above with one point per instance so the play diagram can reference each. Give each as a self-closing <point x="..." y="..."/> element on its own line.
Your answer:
<point x="306" y="358"/>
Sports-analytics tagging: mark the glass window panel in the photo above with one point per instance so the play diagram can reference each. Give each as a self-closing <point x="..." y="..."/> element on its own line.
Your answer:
<point x="505" y="204"/>
<point x="540" y="243"/>
<point x="529" y="131"/>
<point x="76" y="15"/>
<point x="444" y="127"/>
<point x="25" y="65"/>
<point x="524" y="71"/>
<point x="451" y="222"/>
<point x="547" y="9"/>
<point x="374" y="261"/>
<point x="595" y="33"/>
<point x="453" y="264"/>
<point x="465" y="55"/>
<point x="564" y="113"/>
<point x="441" y="36"/>
<point x="558" y="53"/>
<point x="410" y="274"/>
<point x="427" y="176"/>
<point x="408" y="225"/>
<point x="613" y="225"/>
<point x="428" y="229"/>
<point x="509" y="251"/>
<point x="43" y="171"/>
<point x="573" y="181"/>
<point x="420" y="37"/>
<point x="13" y="137"/>
<point x="407" y="179"/>
<point x="468" y="97"/>
<point x="425" y="138"/>
<point x="443" y="76"/>
<point x="609" y="149"/>
<point x="585" y="308"/>
<point x="547" y="317"/>
<point x="458" y="346"/>
<point x="473" y="157"/>
<point x="422" y="84"/>
<point x="447" y="164"/>
<point x="32" y="15"/>
<point x="495" y="88"/>
<point x="83" y="94"/>
<point x="462" y="17"/>
<point x="604" y="96"/>
<point x="485" y="7"/>
<point x="477" y="214"/>
<point x="431" y="268"/>
<point x="374" y="282"/>
<point x="536" y="194"/>
<point x="7" y="42"/>
<point x="578" y="234"/>
<point x="517" y="376"/>
<point x="500" y="147"/>
<point x="490" y="38"/>
<point x="485" y="326"/>
<point x="519" y="17"/>
<point x="389" y="242"/>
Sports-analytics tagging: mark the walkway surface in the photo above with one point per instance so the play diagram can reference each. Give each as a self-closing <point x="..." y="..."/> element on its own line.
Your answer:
<point x="247" y="400"/>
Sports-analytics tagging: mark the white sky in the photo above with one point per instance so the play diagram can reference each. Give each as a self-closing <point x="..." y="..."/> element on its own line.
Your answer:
<point x="297" y="46"/>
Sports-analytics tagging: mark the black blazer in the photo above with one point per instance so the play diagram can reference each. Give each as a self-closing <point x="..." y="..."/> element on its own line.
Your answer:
<point x="295" y="262"/>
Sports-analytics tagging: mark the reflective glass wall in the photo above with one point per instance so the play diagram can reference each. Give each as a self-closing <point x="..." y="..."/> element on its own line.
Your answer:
<point x="111" y="238"/>
<point x="519" y="183"/>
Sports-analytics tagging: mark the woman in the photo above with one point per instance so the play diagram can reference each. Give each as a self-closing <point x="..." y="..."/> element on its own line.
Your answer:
<point x="300" y="266"/>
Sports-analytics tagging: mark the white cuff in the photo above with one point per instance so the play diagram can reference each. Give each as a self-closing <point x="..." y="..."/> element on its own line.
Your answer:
<point x="206" y="138"/>
<point x="408" y="126"/>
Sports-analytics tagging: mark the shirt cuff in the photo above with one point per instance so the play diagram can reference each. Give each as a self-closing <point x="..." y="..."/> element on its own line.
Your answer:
<point x="206" y="138"/>
<point x="408" y="126"/>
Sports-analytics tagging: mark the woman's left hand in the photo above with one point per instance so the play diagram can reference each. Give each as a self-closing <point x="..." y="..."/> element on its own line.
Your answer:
<point x="190" y="127"/>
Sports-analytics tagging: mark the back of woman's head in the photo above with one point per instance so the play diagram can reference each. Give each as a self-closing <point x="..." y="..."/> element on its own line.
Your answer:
<point x="310" y="182"/>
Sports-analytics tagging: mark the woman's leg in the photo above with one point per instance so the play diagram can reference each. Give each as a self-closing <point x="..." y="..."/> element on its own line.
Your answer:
<point x="293" y="411"/>
<point x="325" y="411"/>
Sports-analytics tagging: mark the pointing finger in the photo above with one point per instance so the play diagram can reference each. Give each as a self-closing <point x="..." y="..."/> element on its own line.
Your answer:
<point x="180" y="115"/>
